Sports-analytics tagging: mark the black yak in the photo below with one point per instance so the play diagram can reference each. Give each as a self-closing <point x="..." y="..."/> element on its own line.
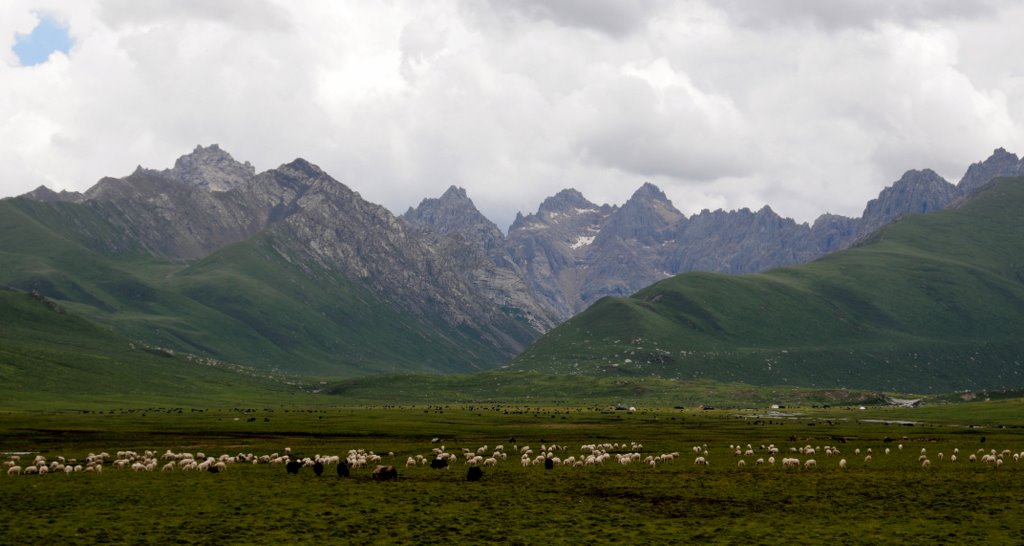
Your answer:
<point x="384" y="473"/>
<point x="439" y="463"/>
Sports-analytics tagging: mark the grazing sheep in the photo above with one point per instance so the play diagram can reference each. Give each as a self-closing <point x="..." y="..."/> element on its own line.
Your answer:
<point x="474" y="474"/>
<point x="293" y="467"/>
<point x="343" y="468"/>
<point x="318" y="468"/>
<point x="810" y="463"/>
<point x="14" y="471"/>
<point x="842" y="463"/>
<point x="926" y="464"/>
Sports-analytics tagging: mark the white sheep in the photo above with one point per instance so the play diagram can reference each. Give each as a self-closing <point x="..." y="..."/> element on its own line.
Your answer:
<point x="14" y="470"/>
<point x="842" y="463"/>
<point x="810" y="463"/>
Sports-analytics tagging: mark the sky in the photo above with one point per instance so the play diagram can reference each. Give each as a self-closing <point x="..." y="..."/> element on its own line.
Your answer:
<point x="806" y="106"/>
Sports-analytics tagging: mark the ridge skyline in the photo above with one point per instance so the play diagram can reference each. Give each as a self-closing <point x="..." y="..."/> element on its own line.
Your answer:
<point x="999" y="155"/>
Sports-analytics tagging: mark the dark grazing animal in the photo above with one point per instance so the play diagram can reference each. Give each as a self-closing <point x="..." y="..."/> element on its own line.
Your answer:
<point x="293" y="467"/>
<point x="384" y="473"/>
<point x="439" y="463"/>
<point x="474" y="474"/>
<point x="343" y="468"/>
<point x="318" y="468"/>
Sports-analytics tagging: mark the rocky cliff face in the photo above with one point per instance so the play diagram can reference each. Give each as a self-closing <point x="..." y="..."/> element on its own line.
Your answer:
<point x="211" y="168"/>
<point x="1000" y="163"/>
<point x="917" y="192"/>
<point x="552" y="246"/>
<point x="474" y="246"/>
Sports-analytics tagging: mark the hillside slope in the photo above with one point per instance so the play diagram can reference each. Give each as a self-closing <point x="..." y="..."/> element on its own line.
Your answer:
<point x="51" y="357"/>
<point x="930" y="303"/>
<point x="262" y="302"/>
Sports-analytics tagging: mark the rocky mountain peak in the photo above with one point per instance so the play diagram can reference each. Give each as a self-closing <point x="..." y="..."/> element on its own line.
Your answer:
<point x="46" y="195"/>
<point x="651" y="199"/>
<point x="916" y="192"/>
<point x="455" y="194"/>
<point x="649" y="192"/>
<point x="211" y="168"/>
<point x="300" y="169"/>
<point x="1000" y="163"/>
<point x="645" y="218"/>
<point x="454" y="211"/>
<point x="565" y="201"/>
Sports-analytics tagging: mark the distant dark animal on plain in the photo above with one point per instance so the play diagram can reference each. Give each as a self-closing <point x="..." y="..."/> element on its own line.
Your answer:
<point x="549" y="463"/>
<point x="343" y="469"/>
<point x="384" y="473"/>
<point x="212" y="469"/>
<point x="439" y="463"/>
<point x="318" y="468"/>
<point x="293" y="467"/>
<point x="474" y="474"/>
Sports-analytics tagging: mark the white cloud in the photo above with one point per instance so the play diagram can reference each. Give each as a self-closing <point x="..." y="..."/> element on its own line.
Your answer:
<point x="806" y="106"/>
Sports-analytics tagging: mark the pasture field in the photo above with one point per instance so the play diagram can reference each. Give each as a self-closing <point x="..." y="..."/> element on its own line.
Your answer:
<point x="892" y="499"/>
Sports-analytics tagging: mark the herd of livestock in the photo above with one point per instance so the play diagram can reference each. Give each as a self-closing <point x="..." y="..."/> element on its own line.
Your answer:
<point x="385" y="466"/>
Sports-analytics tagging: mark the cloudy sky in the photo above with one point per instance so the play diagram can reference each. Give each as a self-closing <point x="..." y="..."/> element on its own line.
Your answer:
<point x="804" y="105"/>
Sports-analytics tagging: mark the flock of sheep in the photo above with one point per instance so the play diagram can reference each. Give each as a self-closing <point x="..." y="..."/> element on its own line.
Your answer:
<point x="589" y="455"/>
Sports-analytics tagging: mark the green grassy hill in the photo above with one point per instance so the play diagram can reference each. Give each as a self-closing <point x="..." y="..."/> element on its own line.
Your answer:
<point x="50" y="358"/>
<point x="246" y="303"/>
<point x="931" y="303"/>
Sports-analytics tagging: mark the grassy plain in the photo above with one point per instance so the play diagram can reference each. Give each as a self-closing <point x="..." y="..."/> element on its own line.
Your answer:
<point x="890" y="500"/>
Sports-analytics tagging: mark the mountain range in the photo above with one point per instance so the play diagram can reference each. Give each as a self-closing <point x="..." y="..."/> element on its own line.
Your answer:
<point x="290" y="269"/>
<point x="571" y="252"/>
<point x="929" y="303"/>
